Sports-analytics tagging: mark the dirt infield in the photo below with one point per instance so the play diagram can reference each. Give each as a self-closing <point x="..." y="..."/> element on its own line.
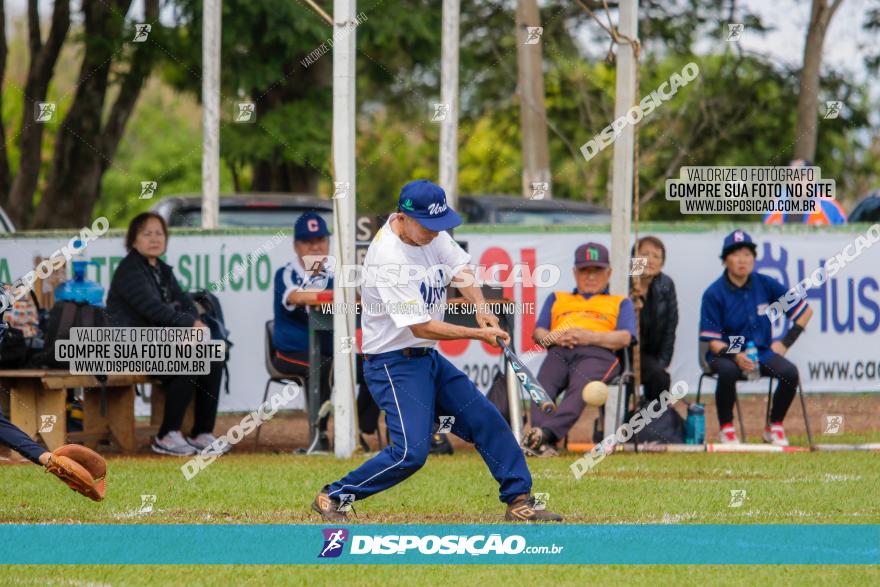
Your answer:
<point x="288" y="431"/>
<point x="861" y="414"/>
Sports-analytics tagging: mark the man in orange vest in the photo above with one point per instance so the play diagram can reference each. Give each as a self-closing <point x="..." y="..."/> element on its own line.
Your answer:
<point x="582" y="330"/>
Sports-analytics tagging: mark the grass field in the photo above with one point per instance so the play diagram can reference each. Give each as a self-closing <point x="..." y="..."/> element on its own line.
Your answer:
<point x="801" y="488"/>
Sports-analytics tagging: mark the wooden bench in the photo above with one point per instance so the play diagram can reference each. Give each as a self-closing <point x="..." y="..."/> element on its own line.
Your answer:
<point x="34" y="393"/>
<point x="38" y="393"/>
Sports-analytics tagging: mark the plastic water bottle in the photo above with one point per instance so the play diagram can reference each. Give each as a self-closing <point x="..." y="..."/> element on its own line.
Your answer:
<point x="696" y="424"/>
<point x="752" y="355"/>
<point x="80" y="289"/>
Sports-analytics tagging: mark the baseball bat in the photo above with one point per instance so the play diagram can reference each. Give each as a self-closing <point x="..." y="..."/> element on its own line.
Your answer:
<point x="527" y="380"/>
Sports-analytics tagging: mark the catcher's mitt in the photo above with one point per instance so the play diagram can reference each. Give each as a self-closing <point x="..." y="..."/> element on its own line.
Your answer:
<point x="81" y="468"/>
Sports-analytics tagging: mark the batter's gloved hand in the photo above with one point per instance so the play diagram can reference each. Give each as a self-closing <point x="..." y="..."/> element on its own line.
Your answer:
<point x="81" y="468"/>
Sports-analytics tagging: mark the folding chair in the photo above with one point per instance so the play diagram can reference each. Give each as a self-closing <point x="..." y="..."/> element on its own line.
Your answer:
<point x="707" y="371"/>
<point x="276" y="376"/>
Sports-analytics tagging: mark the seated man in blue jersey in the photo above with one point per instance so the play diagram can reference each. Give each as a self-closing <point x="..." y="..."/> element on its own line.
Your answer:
<point x="297" y="285"/>
<point x="733" y="314"/>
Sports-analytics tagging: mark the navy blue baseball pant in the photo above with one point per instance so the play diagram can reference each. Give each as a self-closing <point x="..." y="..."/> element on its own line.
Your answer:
<point x="13" y="437"/>
<point x="414" y="391"/>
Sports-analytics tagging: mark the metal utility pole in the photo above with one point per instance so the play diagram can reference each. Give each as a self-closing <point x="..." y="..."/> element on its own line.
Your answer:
<point x="344" y="223"/>
<point x="211" y="30"/>
<point x="533" y="116"/>
<point x="622" y="174"/>
<point x="449" y="97"/>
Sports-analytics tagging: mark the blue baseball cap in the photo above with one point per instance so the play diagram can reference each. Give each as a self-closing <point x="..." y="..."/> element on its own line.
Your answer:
<point x="310" y="225"/>
<point x="426" y="202"/>
<point x="737" y="240"/>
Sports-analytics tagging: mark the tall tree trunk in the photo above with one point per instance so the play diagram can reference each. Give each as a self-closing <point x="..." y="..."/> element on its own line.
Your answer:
<point x="284" y="176"/>
<point x="42" y="63"/>
<point x="807" y="114"/>
<point x="5" y="174"/>
<point x="278" y="174"/>
<point x="85" y="149"/>
<point x="535" y="153"/>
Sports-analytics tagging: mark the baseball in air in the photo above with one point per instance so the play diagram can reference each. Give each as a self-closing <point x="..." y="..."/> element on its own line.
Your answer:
<point x="595" y="393"/>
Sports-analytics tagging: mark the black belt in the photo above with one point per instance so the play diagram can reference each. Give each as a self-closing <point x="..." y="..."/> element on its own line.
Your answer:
<point x="408" y="352"/>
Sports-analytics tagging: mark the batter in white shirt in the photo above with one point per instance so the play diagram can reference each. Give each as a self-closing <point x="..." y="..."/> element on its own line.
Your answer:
<point x="407" y="268"/>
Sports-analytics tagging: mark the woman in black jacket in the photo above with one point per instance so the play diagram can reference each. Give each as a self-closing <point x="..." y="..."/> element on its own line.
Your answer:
<point x="144" y="292"/>
<point x="657" y="319"/>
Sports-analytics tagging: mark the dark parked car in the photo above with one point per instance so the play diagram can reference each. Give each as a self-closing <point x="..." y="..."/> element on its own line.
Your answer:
<point x="519" y="211"/>
<point x="244" y="210"/>
<point x="868" y="210"/>
<point x="251" y="210"/>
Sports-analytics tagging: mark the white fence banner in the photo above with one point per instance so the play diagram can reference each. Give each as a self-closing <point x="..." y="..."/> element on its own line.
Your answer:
<point x="839" y="351"/>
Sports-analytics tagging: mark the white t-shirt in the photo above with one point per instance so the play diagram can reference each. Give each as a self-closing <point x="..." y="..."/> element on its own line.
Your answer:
<point x="405" y="285"/>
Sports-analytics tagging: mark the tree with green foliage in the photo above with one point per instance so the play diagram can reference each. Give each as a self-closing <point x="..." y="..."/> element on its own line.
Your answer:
<point x="91" y="129"/>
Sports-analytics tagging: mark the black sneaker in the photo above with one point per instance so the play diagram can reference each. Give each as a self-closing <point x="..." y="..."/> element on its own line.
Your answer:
<point x="522" y="509"/>
<point x="440" y="445"/>
<point x="534" y="444"/>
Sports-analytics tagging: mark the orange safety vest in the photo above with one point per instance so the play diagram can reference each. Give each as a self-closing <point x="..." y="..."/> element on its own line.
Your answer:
<point x="598" y="313"/>
<point x="818" y="217"/>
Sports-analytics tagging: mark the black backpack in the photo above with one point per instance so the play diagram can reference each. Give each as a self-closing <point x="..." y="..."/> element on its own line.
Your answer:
<point x="669" y="428"/>
<point x="17" y="351"/>
<point x="211" y="313"/>
<point x="498" y="395"/>
<point x="13" y="348"/>
<point x="64" y="316"/>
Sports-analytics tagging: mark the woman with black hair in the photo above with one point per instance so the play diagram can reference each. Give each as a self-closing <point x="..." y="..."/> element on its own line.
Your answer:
<point x="145" y="293"/>
<point x="658" y="318"/>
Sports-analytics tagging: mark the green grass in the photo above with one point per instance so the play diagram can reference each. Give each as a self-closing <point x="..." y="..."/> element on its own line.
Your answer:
<point x="626" y="488"/>
<point x="424" y="575"/>
<point x="800" y="488"/>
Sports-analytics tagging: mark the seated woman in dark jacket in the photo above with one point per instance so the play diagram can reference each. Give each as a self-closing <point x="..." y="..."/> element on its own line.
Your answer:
<point x="144" y="292"/>
<point x="657" y="319"/>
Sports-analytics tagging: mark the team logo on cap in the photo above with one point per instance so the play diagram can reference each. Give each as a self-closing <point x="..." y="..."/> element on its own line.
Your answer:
<point x="593" y="254"/>
<point x="738" y="236"/>
<point x="435" y="208"/>
<point x="407" y="204"/>
<point x="313" y="225"/>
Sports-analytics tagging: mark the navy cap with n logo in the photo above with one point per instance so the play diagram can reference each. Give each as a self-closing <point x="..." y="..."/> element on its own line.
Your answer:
<point x="425" y="201"/>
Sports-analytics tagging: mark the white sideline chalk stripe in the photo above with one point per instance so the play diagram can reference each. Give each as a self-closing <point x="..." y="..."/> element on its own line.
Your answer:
<point x="733" y="448"/>
<point x="845" y="447"/>
<point x="405" y="442"/>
